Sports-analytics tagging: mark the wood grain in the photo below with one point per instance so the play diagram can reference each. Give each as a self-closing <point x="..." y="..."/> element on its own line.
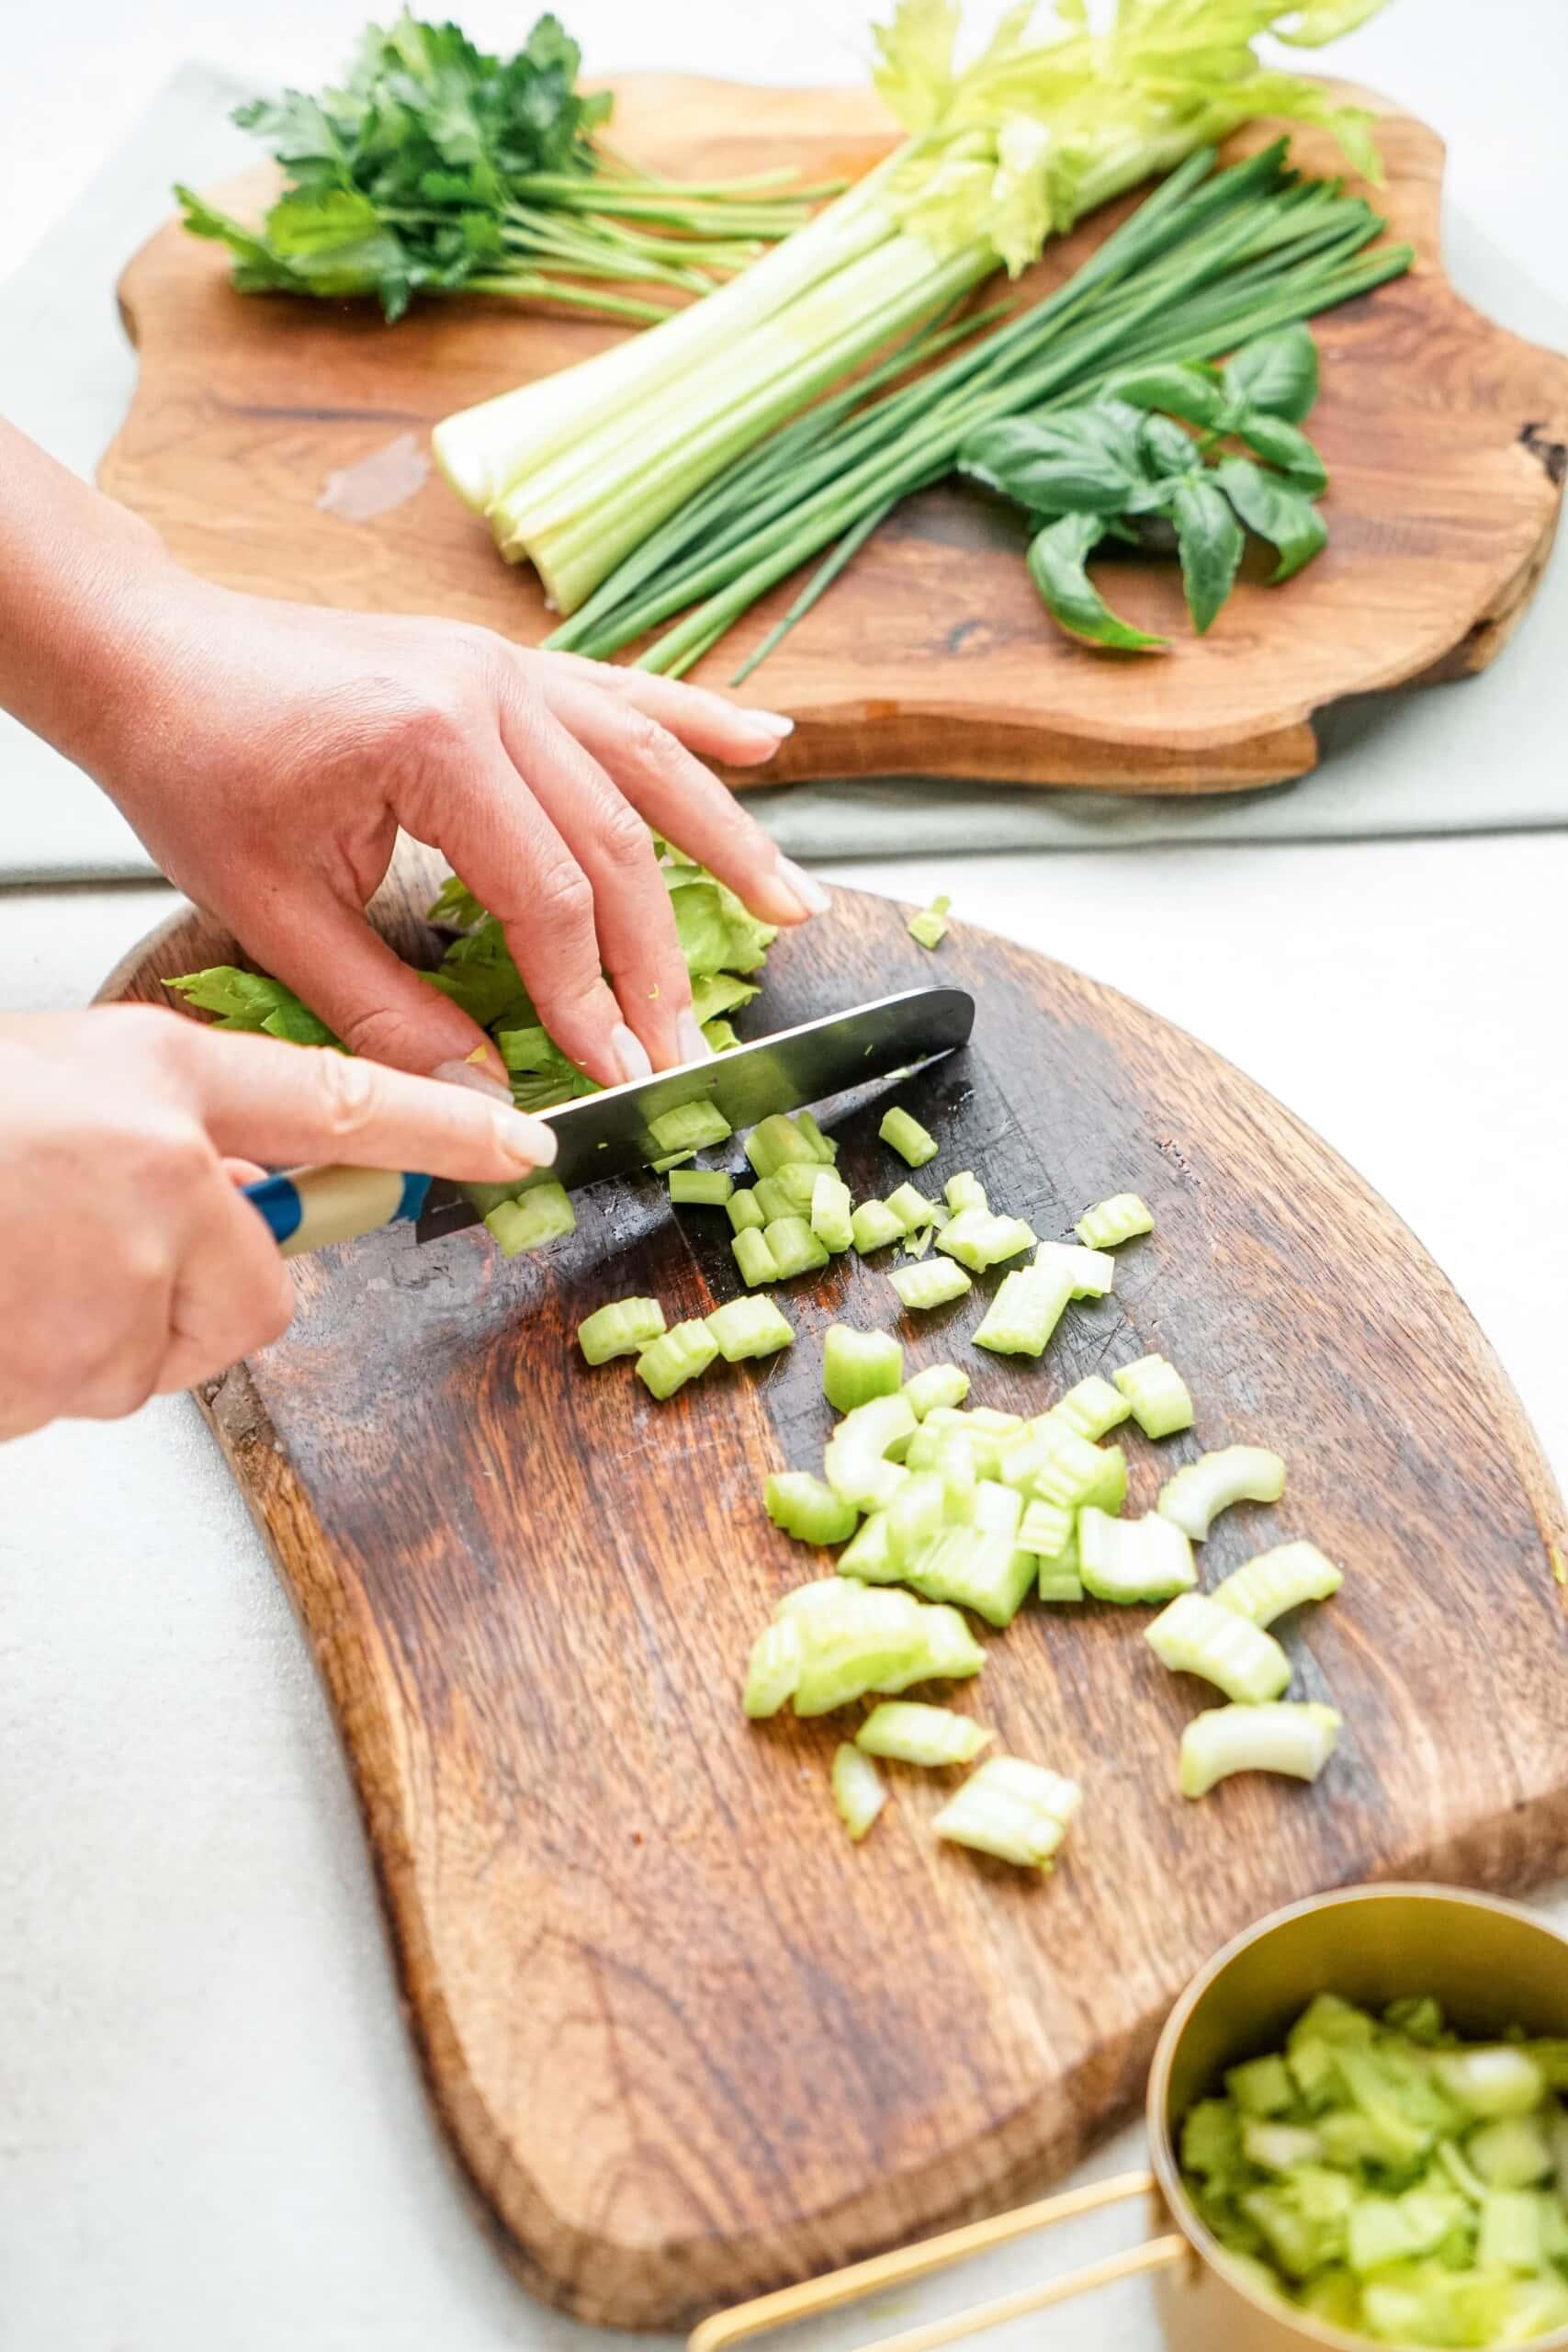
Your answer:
<point x="1445" y="437"/>
<point x="688" y="2042"/>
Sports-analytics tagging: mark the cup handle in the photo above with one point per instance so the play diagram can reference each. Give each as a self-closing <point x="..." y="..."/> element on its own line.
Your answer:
<point x="911" y="2262"/>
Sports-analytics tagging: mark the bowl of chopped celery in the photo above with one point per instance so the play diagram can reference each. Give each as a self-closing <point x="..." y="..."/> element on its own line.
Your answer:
<point x="1358" y="2121"/>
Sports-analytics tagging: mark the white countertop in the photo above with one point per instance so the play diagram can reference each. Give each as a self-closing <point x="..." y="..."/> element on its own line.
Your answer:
<point x="211" y="2130"/>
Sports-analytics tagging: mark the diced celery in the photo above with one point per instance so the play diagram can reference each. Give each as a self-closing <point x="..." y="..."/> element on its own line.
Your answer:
<point x="749" y="1327"/>
<point x="1510" y="2231"/>
<point x="776" y="1657"/>
<point x="929" y="926"/>
<point x="1047" y="1460"/>
<point x="874" y="1226"/>
<point x="722" y="1035"/>
<point x="930" y="1284"/>
<point x="1491" y="2082"/>
<point x="856" y="1638"/>
<point x="939" y="1383"/>
<point x="1157" y="1395"/>
<point x="1133" y="1560"/>
<point x="949" y="1652"/>
<point x="906" y="1731"/>
<point x="1304" y="2219"/>
<point x="1262" y="2086"/>
<point x="745" y="1216"/>
<point x="855" y="1463"/>
<point x="965" y="1190"/>
<point x="1280" y="2147"/>
<point x="857" y="1366"/>
<point x="1091" y="1407"/>
<point x="1291" y="1737"/>
<point x="1195" y="1497"/>
<point x="1017" y="1811"/>
<point x="704" y="1188"/>
<point x="974" y="1568"/>
<point x="807" y="1509"/>
<point x="1025" y="1311"/>
<point x="1273" y="1582"/>
<point x="903" y="1134"/>
<point x="679" y="1355"/>
<point x="671" y="1159"/>
<point x="922" y="1242"/>
<point x="1092" y="1273"/>
<point x="691" y="1127"/>
<point x="955" y="1465"/>
<point x="915" y="1515"/>
<point x="1112" y="1222"/>
<point x="542" y="1214"/>
<point x="794" y="1186"/>
<point x="982" y="1444"/>
<point x="754" y="1256"/>
<point x="1059" y="1582"/>
<point x="913" y="1210"/>
<point x="1048" y="1529"/>
<point x="1513" y="2153"/>
<point x="823" y="1148"/>
<point x="1196" y="1637"/>
<point x="868" y="1554"/>
<point x="620" y="1330"/>
<point x="774" y="1141"/>
<point x="858" y="1790"/>
<point x="978" y="1241"/>
<point x="1401" y="2229"/>
<point x="986" y="1417"/>
<point x="831" y="1210"/>
<point x="773" y="1199"/>
<point x="793" y="1247"/>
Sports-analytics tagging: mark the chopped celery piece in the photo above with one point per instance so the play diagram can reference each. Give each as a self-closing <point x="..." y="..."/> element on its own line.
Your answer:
<point x="955" y="1465"/>
<point x="1202" y="1489"/>
<point x="1091" y="1407"/>
<point x="1491" y="2082"/>
<point x="777" y="1654"/>
<point x="1512" y="2152"/>
<point x="1157" y="1395"/>
<point x="986" y="1417"/>
<point x="977" y="1239"/>
<point x="932" y="1283"/>
<point x="701" y="1187"/>
<point x="915" y="1515"/>
<point x="856" y="1638"/>
<point x="744" y="1214"/>
<point x="671" y="1159"/>
<point x="1509" y="2236"/>
<point x="1019" y="1812"/>
<point x="679" y="1355"/>
<point x="997" y="1509"/>
<point x="543" y="1214"/>
<point x="749" y="1327"/>
<point x="754" y="1256"/>
<point x="918" y="1248"/>
<point x="1047" y="1530"/>
<point x="1273" y="1582"/>
<point x="855" y="1463"/>
<point x="903" y="1133"/>
<point x="1110" y="1223"/>
<point x="805" y="1508"/>
<point x="823" y="1146"/>
<point x="1127" y="1560"/>
<point x="874" y="1226"/>
<point x="1194" y="1636"/>
<point x="939" y="1383"/>
<point x="906" y="1731"/>
<point x="781" y="1138"/>
<point x="1292" y="1737"/>
<point x="690" y="1127"/>
<point x="1025" y="1311"/>
<point x="1059" y="1581"/>
<point x="972" y="1568"/>
<point x="940" y="1425"/>
<point x="949" y="1653"/>
<point x="722" y="1035"/>
<point x="858" y="1790"/>
<point x="620" y="1330"/>
<point x="1045" y="1459"/>
<point x="857" y="1366"/>
<point x="1262" y="2086"/>
<point x="1092" y="1272"/>
<point x="913" y="1210"/>
<point x="831" y="1211"/>
<point x="793" y="1187"/>
<point x="868" y="1554"/>
<point x="965" y="1190"/>
<point x="1280" y="2147"/>
<point x="929" y="926"/>
<point x="774" y="1199"/>
<point x="1381" y="2229"/>
<point x="793" y="1247"/>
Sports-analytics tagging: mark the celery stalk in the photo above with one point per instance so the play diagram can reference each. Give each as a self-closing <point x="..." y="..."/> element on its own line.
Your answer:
<point x="915" y="1517"/>
<point x="913" y="1210"/>
<point x="808" y="1509"/>
<point x="749" y="1327"/>
<point x="928" y="1285"/>
<point x="699" y="1188"/>
<point x="780" y="1138"/>
<point x="773" y="1199"/>
<point x="542" y="1214"/>
<point x="1291" y="1736"/>
<point x="972" y="1567"/>
<point x="793" y="1187"/>
<point x="978" y="1241"/>
<point x="1110" y="1223"/>
<point x="1157" y="1395"/>
<point x="1491" y="2082"/>
<point x="1046" y="1459"/>
<point x="1202" y="1489"/>
<point x="1017" y="1811"/>
<point x="1195" y="1635"/>
<point x="1048" y="1529"/>
<point x="939" y="1383"/>
<point x="679" y="1355"/>
<point x="754" y="1256"/>
<point x="777" y="1654"/>
<point x="906" y="1731"/>
<point x="869" y="1554"/>
<point x="621" y="1329"/>
<point x="858" y="1790"/>
<point x="874" y="1226"/>
<point x="859" y="1365"/>
<point x="1133" y="1560"/>
<point x="856" y="1465"/>
<point x="903" y="1134"/>
<point x="965" y="1190"/>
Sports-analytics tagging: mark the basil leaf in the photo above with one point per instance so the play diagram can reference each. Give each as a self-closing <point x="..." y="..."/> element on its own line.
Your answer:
<point x="1285" y="447"/>
<point x="1210" y="542"/>
<point x="1052" y="465"/>
<point x="1165" y="449"/>
<point x="1289" y="522"/>
<point x="1276" y="373"/>
<point x="1187" y="389"/>
<point x="1057" y="558"/>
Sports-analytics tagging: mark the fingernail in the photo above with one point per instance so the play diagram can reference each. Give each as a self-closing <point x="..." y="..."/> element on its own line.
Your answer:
<point x="469" y="1074"/>
<point x="812" y="895"/>
<point x="773" y="722"/>
<point x="694" y="1046"/>
<point x="631" y="1059"/>
<point x="529" y="1143"/>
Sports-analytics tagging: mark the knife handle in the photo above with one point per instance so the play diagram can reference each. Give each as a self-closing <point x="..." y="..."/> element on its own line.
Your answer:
<point x="305" y="1208"/>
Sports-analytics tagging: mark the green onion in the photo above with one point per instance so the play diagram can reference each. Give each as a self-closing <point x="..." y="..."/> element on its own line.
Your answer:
<point x="965" y="1190"/>
<point x="1295" y="1738"/>
<point x="903" y="1134"/>
<point x="874" y="1226"/>
<point x="929" y="926"/>
<point x="925" y="1285"/>
<point x="1091" y="1407"/>
<point x="855" y="1463"/>
<point x="1025" y="1311"/>
<point x="1017" y="1811"/>
<point x="979" y="1240"/>
<point x="858" y="1791"/>
<point x="831" y="1211"/>
<point x="938" y="1385"/>
<point x="1157" y="1395"/>
<point x="1195" y="1635"/>
<point x="542" y="1214"/>
<point x="1133" y="1560"/>
<point x="808" y="1509"/>
<point x="749" y="1327"/>
<point x="859" y="1365"/>
<point x="744" y="1212"/>
<point x="912" y="1209"/>
<point x="690" y="1127"/>
<point x="1202" y="1489"/>
<point x="1279" y="1580"/>
<point x="620" y="1330"/>
<point x="699" y="1188"/>
<point x="906" y="1731"/>
<point x="1092" y="1273"/>
<point x="754" y="1257"/>
<point x="793" y="1247"/>
<point x="1110" y="1223"/>
<point x="684" y="1352"/>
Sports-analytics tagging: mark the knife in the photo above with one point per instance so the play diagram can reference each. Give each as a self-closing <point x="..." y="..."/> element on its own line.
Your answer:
<point x="610" y="1134"/>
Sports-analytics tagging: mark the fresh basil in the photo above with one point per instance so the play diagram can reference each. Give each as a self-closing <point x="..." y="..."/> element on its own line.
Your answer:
<point x="1056" y="565"/>
<point x="1053" y="465"/>
<point x="1289" y="521"/>
<point x="1210" y="541"/>
<point x="1286" y="446"/>
<point x="1275" y="374"/>
<point x="1190" y="390"/>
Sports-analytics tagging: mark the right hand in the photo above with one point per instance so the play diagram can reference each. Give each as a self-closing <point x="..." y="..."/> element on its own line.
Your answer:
<point x="130" y="1265"/>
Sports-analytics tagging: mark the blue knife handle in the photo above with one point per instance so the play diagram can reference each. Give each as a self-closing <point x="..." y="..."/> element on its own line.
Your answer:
<point x="305" y="1208"/>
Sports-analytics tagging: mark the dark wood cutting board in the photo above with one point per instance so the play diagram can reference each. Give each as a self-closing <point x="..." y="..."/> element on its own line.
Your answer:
<point x="687" y="2041"/>
<point x="1444" y="435"/>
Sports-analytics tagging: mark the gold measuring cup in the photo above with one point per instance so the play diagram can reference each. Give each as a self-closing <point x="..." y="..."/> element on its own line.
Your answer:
<point x="1490" y="1965"/>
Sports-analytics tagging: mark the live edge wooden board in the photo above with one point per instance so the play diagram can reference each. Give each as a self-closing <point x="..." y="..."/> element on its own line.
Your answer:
<point x="1445" y="437"/>
<point x="687" y="2041"/>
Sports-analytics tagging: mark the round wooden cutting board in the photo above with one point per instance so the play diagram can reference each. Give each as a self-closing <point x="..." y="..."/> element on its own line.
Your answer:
<point x="1445" y="438"/>
<point x="687" y="2040"/>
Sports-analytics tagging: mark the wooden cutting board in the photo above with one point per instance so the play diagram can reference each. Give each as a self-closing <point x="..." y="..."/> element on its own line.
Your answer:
<point x="1445" y="439"/>
<point x="686" y="2040"/>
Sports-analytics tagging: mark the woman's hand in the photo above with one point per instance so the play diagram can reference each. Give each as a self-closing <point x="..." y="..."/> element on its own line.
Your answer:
<point x="128" y="1262"/>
